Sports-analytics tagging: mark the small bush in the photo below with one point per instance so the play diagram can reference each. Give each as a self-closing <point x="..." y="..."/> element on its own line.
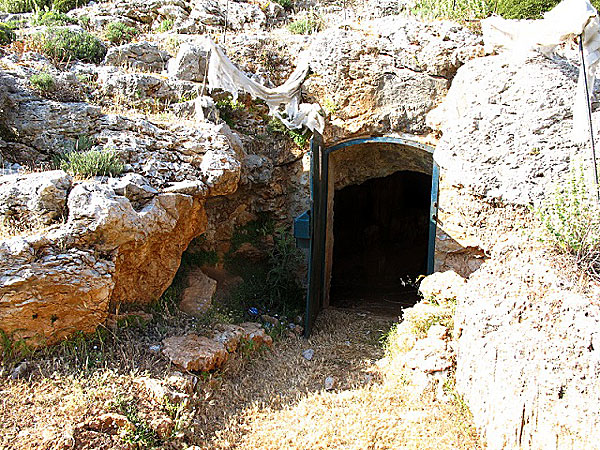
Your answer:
<point x="52" y="18"/>
<point x="63" y="44"/>
<point x="165" y="25"/>
<point x="25" y="6"/>
<point x="306" y="25"/>
<point x="42" y="82"/>
<point x="119" y="33"/>
<point x="14" y="24"/>
<point x="68" y="5"/>
<point x="90" y="163"/>
<point x="571" y="217"/>
<point x="22" y="6"/>
<point x="7" y="35"/>
<point x="228" y="109"/>
<point x="300" y="137"/>
<point x="287" y="4"/>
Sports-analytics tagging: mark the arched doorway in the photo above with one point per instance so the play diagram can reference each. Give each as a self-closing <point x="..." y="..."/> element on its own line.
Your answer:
<point x="372" y="219"/>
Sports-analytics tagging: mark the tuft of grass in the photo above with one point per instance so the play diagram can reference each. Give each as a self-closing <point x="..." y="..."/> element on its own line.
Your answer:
<point x="300" y="137"/>
<point x="43" y="82"/>
<point x="52" y="18"/>
<point x="571" y="218"/>
<point x="7" y="35"/>
<point x="229" y="109"/>
<point x="165" y="25"/>
<point x="25" y="6"/>
<point x="287" y="4"/>
<point x="119" y="33"/>
<point x="90" y="163"/>
<point x="142" y="435"/>
<point x="13" y="350"/>
<point x="306" y="25"/>
<point x="62" y="44"/>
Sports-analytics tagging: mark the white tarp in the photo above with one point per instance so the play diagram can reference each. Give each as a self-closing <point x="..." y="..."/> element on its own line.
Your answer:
<point x="223" y="74"/>
<point x="565" y="22"/>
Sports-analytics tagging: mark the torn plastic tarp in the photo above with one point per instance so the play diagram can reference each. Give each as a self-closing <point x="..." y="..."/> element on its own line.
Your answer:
<point x="569" y="19"/>
<point x="223" y="74"/>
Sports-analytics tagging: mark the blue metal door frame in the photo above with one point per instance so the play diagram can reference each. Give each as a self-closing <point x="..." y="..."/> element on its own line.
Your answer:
<point x="319" y="187"/>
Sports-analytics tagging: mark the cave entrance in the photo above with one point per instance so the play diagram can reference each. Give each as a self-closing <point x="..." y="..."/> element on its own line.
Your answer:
<point x="380" y="239"/>
<point x="372" y="223"/>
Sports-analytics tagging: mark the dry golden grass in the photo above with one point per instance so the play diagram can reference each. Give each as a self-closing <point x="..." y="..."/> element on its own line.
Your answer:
<point x="271" y="400"/>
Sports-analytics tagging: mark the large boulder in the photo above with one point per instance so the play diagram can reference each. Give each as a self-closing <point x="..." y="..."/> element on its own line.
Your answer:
<point x="386" y="77"/>
<point x="196" y="298"/>
<point x="195" y="353"/>
<point x="34" y="199"/>
<point x="143" y="56"/>
<point x="189" y="64"/>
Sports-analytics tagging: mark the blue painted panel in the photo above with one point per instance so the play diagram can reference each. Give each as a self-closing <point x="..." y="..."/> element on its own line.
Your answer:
<point x="433" y="212"/>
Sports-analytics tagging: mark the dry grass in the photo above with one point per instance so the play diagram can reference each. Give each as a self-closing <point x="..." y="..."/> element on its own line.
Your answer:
<point x="274" y="399"/>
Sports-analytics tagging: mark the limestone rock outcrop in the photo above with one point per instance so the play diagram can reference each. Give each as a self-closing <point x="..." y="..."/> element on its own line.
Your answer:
<point x="195" y="353"/>
<point x="34" y="199"/>
<point x="197" y="296"/>
<point x="144" y="56"/>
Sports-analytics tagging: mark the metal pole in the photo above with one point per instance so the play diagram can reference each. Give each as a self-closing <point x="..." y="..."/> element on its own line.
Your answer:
<point x="226" y="19"/>
<point x="589" y="107"/>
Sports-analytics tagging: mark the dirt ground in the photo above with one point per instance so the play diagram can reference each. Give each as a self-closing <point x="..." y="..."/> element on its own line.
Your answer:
<point x="273" y="399"/>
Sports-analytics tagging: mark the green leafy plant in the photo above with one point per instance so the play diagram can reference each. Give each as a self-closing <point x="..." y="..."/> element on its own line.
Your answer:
<point x="68" y="5"/>
<point x="142" y="435"/>
<point x="63" y="44"/>
<point x="7" y="35"/>
<point x="165" y="25"/>
<point x="287" y="4"/>
<point x="43" y="82"/>
<point x="119" y="33"/>
<point x="12" y="350"/>
<point x="90" y="163"/>
<point x="25" y="6"/>
<point x="300" y="137"/>
<point x="270" y="283"/>
<point x="14" y="24"/>
<point x="52" y="18"/>
<point x="228" y="109"/>
<point x="312" y="23"/>
<point x="571" y="217"/>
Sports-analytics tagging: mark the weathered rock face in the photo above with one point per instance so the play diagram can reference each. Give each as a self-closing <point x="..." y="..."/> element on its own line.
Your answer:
<point x="196" y="298"/>
<point x="144" y="56"/>
<point x="528" y="358"/>
<point x="195" y="353"/>
<point x="386" y="81"/>
<point x="189" y="64"/>
<point x="526" y="334"/>
<point x="34" y="199"/>
<point x="518" y="119"/>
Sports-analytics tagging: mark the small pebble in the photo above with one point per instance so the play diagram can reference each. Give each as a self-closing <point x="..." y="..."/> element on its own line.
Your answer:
<point x="154" y="348"/>
<point x="20" y="371"/>
<point x="329" y="383"/>
<point x="308" y="354"/>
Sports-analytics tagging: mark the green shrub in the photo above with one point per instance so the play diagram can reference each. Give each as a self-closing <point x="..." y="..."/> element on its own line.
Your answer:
<point x="287" y="4"/>
<point x="165" y="25"/>
<point x="306" y="25"/>
<point x="42" y="82"/>
<point x="90" y="163"/>
<point x="269" y="284"/>
<point x="119" y="33"/>
<point x="469" y="10"/>
<point x="63" y="44"/>
<point x="6" y="34"/>
<point x="14" y="24"/>
<point x="571" y="217"/>
<point x="228" y="109"/>
<point x="52" y="18"/>
<point x="24" y="6"/>
<point x="68" y="5"/>
<point x="300" y="137"/>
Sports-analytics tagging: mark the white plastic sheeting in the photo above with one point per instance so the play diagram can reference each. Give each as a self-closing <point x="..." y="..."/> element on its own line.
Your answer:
<point x="284" y="101"/>
<point x="569" y="19"/>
